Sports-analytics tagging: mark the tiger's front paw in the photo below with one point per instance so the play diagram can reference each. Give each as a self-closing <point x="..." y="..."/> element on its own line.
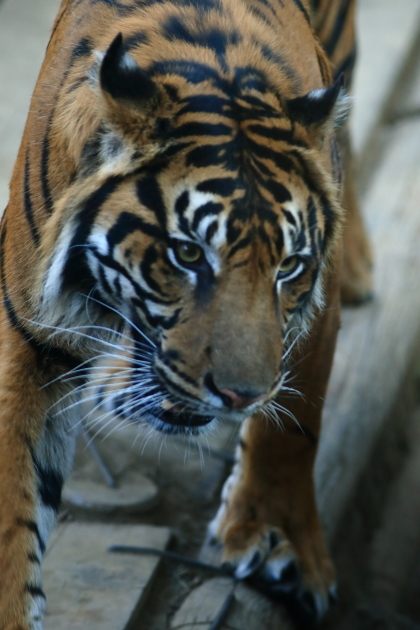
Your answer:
<point x="301" y="580"/>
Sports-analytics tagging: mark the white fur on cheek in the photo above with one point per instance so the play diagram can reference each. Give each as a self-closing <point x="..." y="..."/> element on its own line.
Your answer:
<point x="52" y="284"/>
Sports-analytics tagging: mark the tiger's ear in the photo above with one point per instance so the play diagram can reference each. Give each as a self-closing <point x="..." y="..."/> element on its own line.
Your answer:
<point x="123" y="79"/>
<point x="317" y="107"/>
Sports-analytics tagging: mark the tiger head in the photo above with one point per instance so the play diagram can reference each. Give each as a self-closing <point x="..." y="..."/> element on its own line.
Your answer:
<point x="200" y="222"/>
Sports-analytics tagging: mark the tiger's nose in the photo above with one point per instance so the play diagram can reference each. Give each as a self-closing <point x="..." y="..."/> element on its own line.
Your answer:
<point x="239" y="400"/>
<point x="231" y="398"/>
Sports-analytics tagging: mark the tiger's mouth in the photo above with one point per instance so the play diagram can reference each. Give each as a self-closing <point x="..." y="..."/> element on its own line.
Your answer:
<point x="184" y="419"/>
<point x="175" y="416"/>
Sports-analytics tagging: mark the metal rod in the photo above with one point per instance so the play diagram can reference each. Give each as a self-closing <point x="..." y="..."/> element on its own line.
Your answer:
<point x="223" y="612"/>
<point x="174" y="557"/>
<point x="106" y="473"/>
<point x="216" y="453"/>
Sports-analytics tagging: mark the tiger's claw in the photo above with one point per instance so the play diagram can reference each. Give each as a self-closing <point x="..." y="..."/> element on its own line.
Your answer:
<point x="264" y="557"/>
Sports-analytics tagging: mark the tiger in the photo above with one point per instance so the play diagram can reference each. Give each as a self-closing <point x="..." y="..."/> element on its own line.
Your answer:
<point x="177" y="207"/>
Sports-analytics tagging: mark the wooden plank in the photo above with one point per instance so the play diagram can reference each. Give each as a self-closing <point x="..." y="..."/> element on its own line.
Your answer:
<point x="128" y="491"/>
<point x="393" y="104"/>
<point x="203" y="604"/>
<point x="396" y="548"/>
<point x="134" y="494"/>
<point x="378" y="341"/>
<point x="385" y="32"/>
<point x="90" y="589"/>
<point x="248" y="611"/>
<point x="370" y="617"/>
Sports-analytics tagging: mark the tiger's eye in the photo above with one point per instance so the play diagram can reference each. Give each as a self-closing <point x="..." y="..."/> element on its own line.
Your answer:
<point x="188" y="252"/>
<point x="288" y="264"/>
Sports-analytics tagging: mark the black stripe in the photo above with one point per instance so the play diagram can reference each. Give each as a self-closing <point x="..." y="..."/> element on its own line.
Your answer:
<point x="149" y="260"/>
<point x="150" y="195"/>
<point x="279" y="240"/>
<point x="289" y="216"/>
<point x="242" y="244"/>
<point x="182" y="203"/>
<point x="274" y="57"/>
<point x="50" y="484"/>
<point x="211" y="231"/>
<point x="212" y="155"/>
<point x="330" y="219"/>
<point x="300" y="241"/>
<point x="278" y="190"/>
<point x="264" y="238"/>
<point x="213" y="38"/>
<point x="259" y="13"/>
<point x="108" y="261"/>
<point x="46" y="191"/>
<point x="43" y="350"/>
<point x="192" y="71"/>
<point x="280" y="193"/>
<point x="128" y="223"/>
<point x="346" y="67"/>
<point x="35" y="591"/>
<point x="165" y="357"/>
<point x="29" y="211"/>
<point x="209" y="208"/>
<point x="269" y="6"/>
<point x="76" y="271"/>
<point x="262" y="168"/>
<point x="104" y="281"/>
<point x="206" y="103"/>
<point x="77" y="83"/>
<point x="325" y="16"/>
<point x="283" y="162"/>
<point x="165" y="322"/>
<point x="248" y="78"/>
<point x="312" y="223"/>
<point x="33" y="527"/>
<point x="243" y="263"/>
<point x="301" y="8"/>
<point x="202" y="129"/>
<point x="337" y="31"/>
<point x="258" y="110"/>
<point x="275" y="133"/>
<point x="222" y="186"/>
<point x="134" y="40"/>
<point x="82" y="49"/>
<point x="173" y="386"/>
<point x="122" y="9"/>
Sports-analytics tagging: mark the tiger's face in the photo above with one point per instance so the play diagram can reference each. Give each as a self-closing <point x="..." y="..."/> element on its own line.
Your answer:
<point x="212" y="249"/>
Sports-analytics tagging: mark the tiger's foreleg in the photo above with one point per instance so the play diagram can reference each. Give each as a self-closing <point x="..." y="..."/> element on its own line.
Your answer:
<point x="36" y="448"/>
<point x="268" y="519"/>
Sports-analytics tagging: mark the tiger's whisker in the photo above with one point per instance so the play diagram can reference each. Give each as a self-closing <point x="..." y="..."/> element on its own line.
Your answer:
<point x="129" y="322"/>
